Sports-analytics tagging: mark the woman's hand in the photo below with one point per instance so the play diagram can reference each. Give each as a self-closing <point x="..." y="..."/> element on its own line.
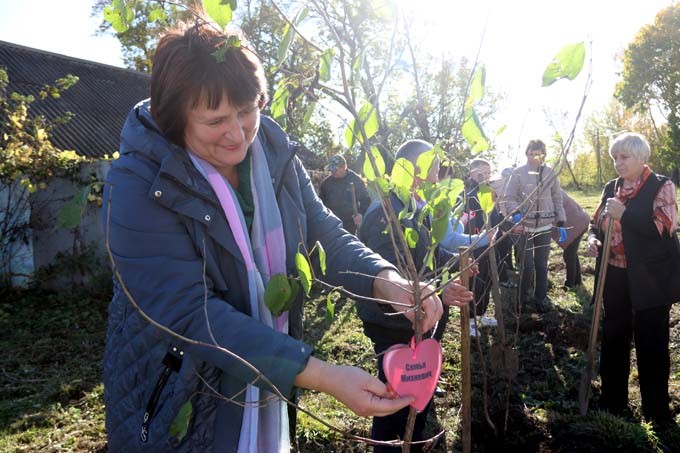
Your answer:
<point x="594" y="245"/>
<point x="390" y="285"/>
<point x="364" y="394"/>
<point x="614" y="208"/>
<point x="456" y="294"/>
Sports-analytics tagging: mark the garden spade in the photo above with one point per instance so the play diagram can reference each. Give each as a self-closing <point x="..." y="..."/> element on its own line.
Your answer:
<point x="587" y="374"/>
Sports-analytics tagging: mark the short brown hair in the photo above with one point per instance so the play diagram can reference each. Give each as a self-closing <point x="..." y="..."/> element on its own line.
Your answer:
<point x="535" y="145"/>
<point x="187" y="71"/>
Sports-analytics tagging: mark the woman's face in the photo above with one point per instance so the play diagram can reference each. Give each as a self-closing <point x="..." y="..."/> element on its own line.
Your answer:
<point x="222" y="136"/>
<point x="627" y="165"/>
<point x="535" y="157"/>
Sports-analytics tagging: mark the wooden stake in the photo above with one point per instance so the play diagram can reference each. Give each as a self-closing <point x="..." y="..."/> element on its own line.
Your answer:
<point x="587" y="374"/>
<point x="466" y="390"/>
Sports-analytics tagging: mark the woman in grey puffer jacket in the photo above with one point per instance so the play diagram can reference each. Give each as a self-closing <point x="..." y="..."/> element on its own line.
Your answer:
<point x="533" y="191"/>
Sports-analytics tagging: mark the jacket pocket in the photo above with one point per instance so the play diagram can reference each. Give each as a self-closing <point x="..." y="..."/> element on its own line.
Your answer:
<point x="173" y="363"/>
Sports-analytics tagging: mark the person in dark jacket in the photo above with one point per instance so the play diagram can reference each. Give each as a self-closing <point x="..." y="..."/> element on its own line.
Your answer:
<point x="206" y="203"/>
<point x="644" y="255"/>
<point x="344" y="193"/>
<point x="474" y="221"/>
<point x="384" y="329"/>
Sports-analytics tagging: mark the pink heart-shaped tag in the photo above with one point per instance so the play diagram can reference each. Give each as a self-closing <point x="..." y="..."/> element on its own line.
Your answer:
<point x="414" y="370"/>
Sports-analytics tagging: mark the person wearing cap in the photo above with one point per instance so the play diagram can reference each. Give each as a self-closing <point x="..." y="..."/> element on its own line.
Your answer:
<point x="344" y="193"/>
<point x="534" y="192"/>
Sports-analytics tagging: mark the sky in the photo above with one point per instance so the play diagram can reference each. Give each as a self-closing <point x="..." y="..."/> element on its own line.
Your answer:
<point x="520" y="37"/>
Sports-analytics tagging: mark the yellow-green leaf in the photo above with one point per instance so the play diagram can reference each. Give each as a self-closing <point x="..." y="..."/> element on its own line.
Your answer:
<point x="304" y="271"/>
<point x="403" y="175"/>
<point x="218" y="10"/>
<point x="485" y="197"/>
<point x="368" y="117"/>
<point x="566" y="64"/>
<point x="157" y="14"/>
<point x="325" y="65"/>
<point x="115" y="18"/>
<point x="473" y="133"/>
<point x="424" y="163"/>
<point x="322" y="257"/>
<point x="330" y="307"/>
<point x="280" y="102"/>
<point x="288" y="35"/>
<point x="379" y="163"/>
<point x="411" y="236"/>
<point x="308" y="113"/>
<point x="477" y="87"/>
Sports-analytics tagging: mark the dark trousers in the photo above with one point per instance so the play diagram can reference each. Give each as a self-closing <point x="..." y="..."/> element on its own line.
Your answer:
<point x="504" y="256"/>
<point x="482" y="283"/>
<point x="650" y="330"/>
<point x="572" y="263"/>
<point x="535" y="248"/>
<point x="393" y="426"/>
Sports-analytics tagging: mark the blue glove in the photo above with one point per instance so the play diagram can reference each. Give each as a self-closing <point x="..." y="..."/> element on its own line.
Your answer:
<point x="516" y="217"/>
<point x="563" y="234"/>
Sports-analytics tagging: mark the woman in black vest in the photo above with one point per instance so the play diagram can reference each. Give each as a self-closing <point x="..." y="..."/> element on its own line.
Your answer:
<point x="644" y="254"/>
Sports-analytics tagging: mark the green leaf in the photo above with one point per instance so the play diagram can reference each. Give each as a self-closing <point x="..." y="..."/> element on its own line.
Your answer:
<point x="115" y="18"/>
<point x="411" y="236"/>
<point x="180" y="425"/>
<point x="304" y="271"/>
<point x="477" y="87"/>
<point x="322" y="257"/>
<point x="424" y="163"/>
<point x="330" y="307"/>
<point x="294" y="288"/>
<point x="308" y="113"/>
<point x="280" y="102"/>
<point x="288" y="35"/>
<point x="439" y="227"/>
<point x="219" y="10"/>
<point x="368" y="117"/>
<point x="485" y="197"/>
<point x="379" y="163"/>
<point x="325" y="65"/>
<point x="278" y="295"/>
<point x="566" y="64"/>
<point x="157" y="15"/>
<point x="221" y="51"/>
<point x="358" y="60"/>
<point x="474" y="134"/>
<point x="403" y="175"/>
<point x="383" y="186"/>
<point x="71" y="213"/>
<point x="452" y="187"/>
<point x="445" y="277"/>
<point x="426" y="190"/>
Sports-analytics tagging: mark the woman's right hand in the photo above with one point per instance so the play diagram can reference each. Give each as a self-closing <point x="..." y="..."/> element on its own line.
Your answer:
<point x="364" y="394"/>
<point x="594" y="245"/>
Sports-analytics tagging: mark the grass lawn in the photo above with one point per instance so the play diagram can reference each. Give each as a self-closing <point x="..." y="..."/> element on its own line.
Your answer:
<point x="51" y="392"/>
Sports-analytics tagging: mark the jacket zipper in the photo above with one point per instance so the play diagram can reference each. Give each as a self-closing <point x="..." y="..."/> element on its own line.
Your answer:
<point x="172" y="362"/>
